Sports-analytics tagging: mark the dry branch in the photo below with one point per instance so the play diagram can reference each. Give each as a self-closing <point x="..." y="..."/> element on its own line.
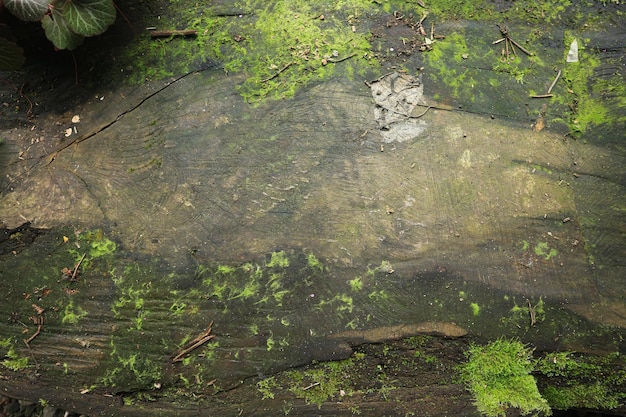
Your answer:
<point x="195" y="343"/>
<point x="167" y="33"/>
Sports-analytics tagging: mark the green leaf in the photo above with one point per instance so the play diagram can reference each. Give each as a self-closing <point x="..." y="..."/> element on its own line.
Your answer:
<point x="11" y="56"/>
<point x="89" y="17"/>
<point x="58" y="31"/>
<point x="29" y="10"/>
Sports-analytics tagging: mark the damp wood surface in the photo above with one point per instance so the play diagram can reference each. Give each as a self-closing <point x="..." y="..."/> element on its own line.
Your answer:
<point x="167" y="246"/>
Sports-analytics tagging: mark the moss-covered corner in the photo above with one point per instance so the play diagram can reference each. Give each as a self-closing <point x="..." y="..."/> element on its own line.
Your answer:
<point x="592" y="99"/>
<point x="504" y="374"/>
<point x="576" y="381"/>
<point x="48" y="287"/>
<point x="13" y="360"/>
<point x="380" y="372"/>
<point x="583" y="96"/>
<point x="501" y="375"/>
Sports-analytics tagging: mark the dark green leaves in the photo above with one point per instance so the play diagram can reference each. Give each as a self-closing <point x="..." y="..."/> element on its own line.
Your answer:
<point x="59" y="32"/>
<point x="29" y="10"/>
<point x="89" y="17"/>
<point x="66" y="22"/>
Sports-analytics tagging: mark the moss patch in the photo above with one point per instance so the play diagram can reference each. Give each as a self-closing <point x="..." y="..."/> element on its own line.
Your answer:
<point x="72" y="314"/>
<point x="576" y="381"/>
<point x="542" y="249"/>
<point x="12" y="359"/>
<point x="585" y="109"/>
<point x="498" y="376"/>
<point x="453" y="9"/>
<point x="280" y="46"/>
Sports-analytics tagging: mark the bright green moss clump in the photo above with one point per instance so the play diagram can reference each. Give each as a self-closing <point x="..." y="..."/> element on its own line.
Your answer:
<point x="278" y="260"/>
<point x="576" y="381"/>
<point x="280" y="46"/>
<point x="498" y="376"/>
<point x="454" y="9"/>
<point x="591" y="97"/>
<point x="12" y="360"/>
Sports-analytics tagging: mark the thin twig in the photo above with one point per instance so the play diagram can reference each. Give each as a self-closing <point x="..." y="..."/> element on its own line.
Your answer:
<point x="421" y="114"/>
<point x="531" y="311"/>
<point x="39" y="327"/>
<point x="542" y="95"/>
<point x="554" y="82"/>
<point x="32" y="355"/>
<point x="168" y="33"/>
<point x="278" y="73"/>
<point x="334" y="61"/>
<point x="195" y="343"/>
<point x="75" y="273"/>
<point x="512" y="48"/>
<point x="527" y="52"/>
<point x="369" y="83"/>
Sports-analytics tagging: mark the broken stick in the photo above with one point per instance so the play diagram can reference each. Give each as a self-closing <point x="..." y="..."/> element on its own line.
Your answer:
<point x="549" y="93"/>
<point x="168" y="33"/>
<point x="554" y="82"/>
<point x="75" y="273"/>
<point x="531" y="312"/>
<point x="278" y="73"/>
<point x="195" y="343"/>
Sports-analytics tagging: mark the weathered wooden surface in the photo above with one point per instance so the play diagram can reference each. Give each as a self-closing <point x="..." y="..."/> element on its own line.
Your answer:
<point x="465" y="226"/>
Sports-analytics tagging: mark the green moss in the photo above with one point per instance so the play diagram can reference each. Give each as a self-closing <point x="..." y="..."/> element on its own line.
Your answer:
<point x="278" y="260"/>
<point x="270" y="342"/>
<point x="281" y="47"/>
<point x="541" y="11"/>
<point x="178" y="308"/>
<point x="12" y="360"/>
<point x="380" y="295"/>
<point x="519" y="315"/>
<point x="576" y="381"/>
<point x="356" y="284"/>
<point x="72" y="314"/>
<point x="443" y="60"/>
<point x="266" y="387"/>
<point x="542" y="249"/>
<point x="454" y="9"/>
<point x="586" y="96"/>
<point x="592" y="396"/>
<point x="99" y="244"/>
<point x="341" y="303"/>
<point x="318" y="385"/>
<point x="498" y="376"/>
<point x="131" y="370"/>
<point x="418" y="341"/>
<point x="475" y="309"/>
<point x="130" y="297"/>
<point x="314" y="263"/>
<point x="225" y="269"/>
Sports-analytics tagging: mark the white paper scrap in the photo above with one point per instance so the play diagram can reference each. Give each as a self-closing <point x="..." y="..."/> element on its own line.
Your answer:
<point x="572" y="55"/>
